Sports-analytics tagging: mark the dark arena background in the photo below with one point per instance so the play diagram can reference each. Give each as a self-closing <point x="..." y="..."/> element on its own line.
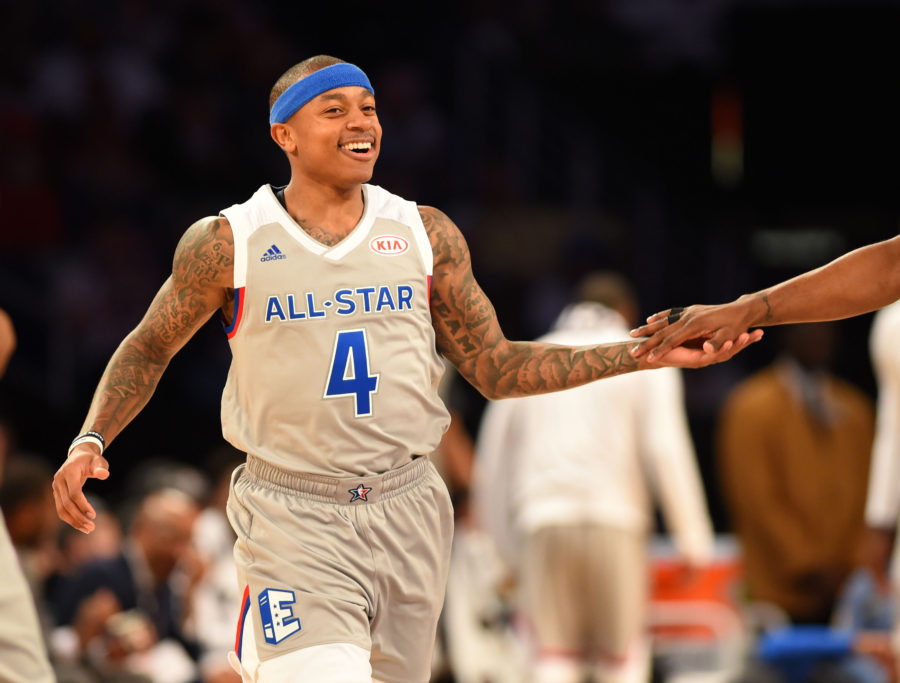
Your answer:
<point x="704" y="149"/>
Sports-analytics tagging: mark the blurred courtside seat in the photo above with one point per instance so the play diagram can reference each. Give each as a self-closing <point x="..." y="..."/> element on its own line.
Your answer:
<point x="697" y="626"/>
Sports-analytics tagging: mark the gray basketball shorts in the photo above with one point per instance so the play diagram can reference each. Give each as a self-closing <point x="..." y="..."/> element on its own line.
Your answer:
<point x="343" y="560"/>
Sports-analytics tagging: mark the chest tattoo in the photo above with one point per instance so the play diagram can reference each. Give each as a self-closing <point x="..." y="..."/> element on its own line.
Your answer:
<point x="320" y="234"/>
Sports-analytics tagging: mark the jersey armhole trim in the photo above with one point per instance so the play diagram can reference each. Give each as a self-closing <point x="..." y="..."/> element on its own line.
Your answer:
<point x="239" y="232"/>
<point x="237" y="219"/>
<point x="422" y="242"/>
<point x="231" y="330"/>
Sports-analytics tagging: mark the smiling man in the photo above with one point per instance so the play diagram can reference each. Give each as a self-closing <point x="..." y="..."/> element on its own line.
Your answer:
<point x="338" y="299"/>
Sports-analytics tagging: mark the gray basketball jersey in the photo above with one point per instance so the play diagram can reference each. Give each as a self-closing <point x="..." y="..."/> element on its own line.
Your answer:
<point x="334" y="366"/>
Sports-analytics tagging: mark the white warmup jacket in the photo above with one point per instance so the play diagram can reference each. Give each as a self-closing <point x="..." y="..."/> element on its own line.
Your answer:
<point x="883" y="498"/>
<point x="603" y="452"/>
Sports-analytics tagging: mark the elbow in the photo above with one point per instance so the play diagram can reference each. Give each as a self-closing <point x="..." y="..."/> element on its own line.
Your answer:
<point x="490" y="393"/>
<point x="499" y="390"/>
<point x="492" y="370"/>
<point x="501" y="370"/>
<point x="487" y="389"/>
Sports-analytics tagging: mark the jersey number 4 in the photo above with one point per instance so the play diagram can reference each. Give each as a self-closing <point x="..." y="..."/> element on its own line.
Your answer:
<point x="349" y="373"/>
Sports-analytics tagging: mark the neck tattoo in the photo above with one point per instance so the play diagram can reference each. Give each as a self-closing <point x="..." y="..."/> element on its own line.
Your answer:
<point x="319" y="234"/>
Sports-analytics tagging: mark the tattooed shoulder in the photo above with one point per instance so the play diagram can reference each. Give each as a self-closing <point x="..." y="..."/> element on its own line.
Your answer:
<point x="447" y="242"/>
<point x="205" y="254"/>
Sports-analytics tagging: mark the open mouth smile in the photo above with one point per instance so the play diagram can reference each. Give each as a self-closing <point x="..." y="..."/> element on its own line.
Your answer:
<point x="359" y="148"/>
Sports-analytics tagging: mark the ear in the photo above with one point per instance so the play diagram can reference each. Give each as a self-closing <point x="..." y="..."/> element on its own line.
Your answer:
<point x="283" y="137"/>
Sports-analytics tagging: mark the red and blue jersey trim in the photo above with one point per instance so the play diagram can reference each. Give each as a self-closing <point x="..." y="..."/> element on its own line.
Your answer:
<point x="239" y="638"/>
<point x="231" y="330"/>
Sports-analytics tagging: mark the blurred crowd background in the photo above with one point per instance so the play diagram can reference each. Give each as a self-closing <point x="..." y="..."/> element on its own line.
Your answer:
<point x="702" y="148"/>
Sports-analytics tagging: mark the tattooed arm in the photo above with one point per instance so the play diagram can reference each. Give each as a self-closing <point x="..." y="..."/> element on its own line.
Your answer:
<point x="469" y="335"/>
<point x="200" y="284"/>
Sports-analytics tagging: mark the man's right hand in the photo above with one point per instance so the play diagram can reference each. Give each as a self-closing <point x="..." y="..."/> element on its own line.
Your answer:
<point x="72" y="506"/>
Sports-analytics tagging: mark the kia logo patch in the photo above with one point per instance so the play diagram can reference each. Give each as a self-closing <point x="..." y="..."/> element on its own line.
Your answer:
<point x="389" y="245"/>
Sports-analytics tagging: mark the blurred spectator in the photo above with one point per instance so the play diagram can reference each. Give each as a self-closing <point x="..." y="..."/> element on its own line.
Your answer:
<point x="164" y="472"/>
<point x="793" y="451"/>
<point x="77" y="549"/>
<point x="566" y="485"/>
<point x="126" y="614"/>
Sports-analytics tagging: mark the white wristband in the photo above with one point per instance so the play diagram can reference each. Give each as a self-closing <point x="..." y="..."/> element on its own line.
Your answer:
<point x="86" y="438"/>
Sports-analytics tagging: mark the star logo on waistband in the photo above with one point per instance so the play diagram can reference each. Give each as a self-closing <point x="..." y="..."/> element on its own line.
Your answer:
<point x="359" y="493"/>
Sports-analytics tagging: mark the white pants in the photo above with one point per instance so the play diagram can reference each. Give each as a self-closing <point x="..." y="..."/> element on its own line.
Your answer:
<point x="585" y="590"/>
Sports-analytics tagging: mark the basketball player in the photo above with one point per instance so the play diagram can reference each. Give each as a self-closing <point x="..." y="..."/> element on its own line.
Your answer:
<point x="858" y="282"/>
<point x="23" y="654"/>
<point x="337" y="299"/>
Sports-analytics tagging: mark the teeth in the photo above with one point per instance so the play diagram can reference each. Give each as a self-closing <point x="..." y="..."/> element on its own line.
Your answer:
<point x="358" y="145"/>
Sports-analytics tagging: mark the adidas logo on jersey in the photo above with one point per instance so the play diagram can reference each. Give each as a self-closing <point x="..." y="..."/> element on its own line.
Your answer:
<point x="273" y="253"/>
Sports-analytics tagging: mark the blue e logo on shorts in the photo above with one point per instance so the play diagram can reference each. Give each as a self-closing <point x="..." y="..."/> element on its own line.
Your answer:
<point x="278" y="620"/>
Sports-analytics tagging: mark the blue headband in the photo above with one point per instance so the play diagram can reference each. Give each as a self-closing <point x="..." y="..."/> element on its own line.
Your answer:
<point x="308" y="87"/>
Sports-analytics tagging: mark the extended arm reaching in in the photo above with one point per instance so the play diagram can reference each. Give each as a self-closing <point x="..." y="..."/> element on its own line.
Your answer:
<point x="860" y="281"/>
